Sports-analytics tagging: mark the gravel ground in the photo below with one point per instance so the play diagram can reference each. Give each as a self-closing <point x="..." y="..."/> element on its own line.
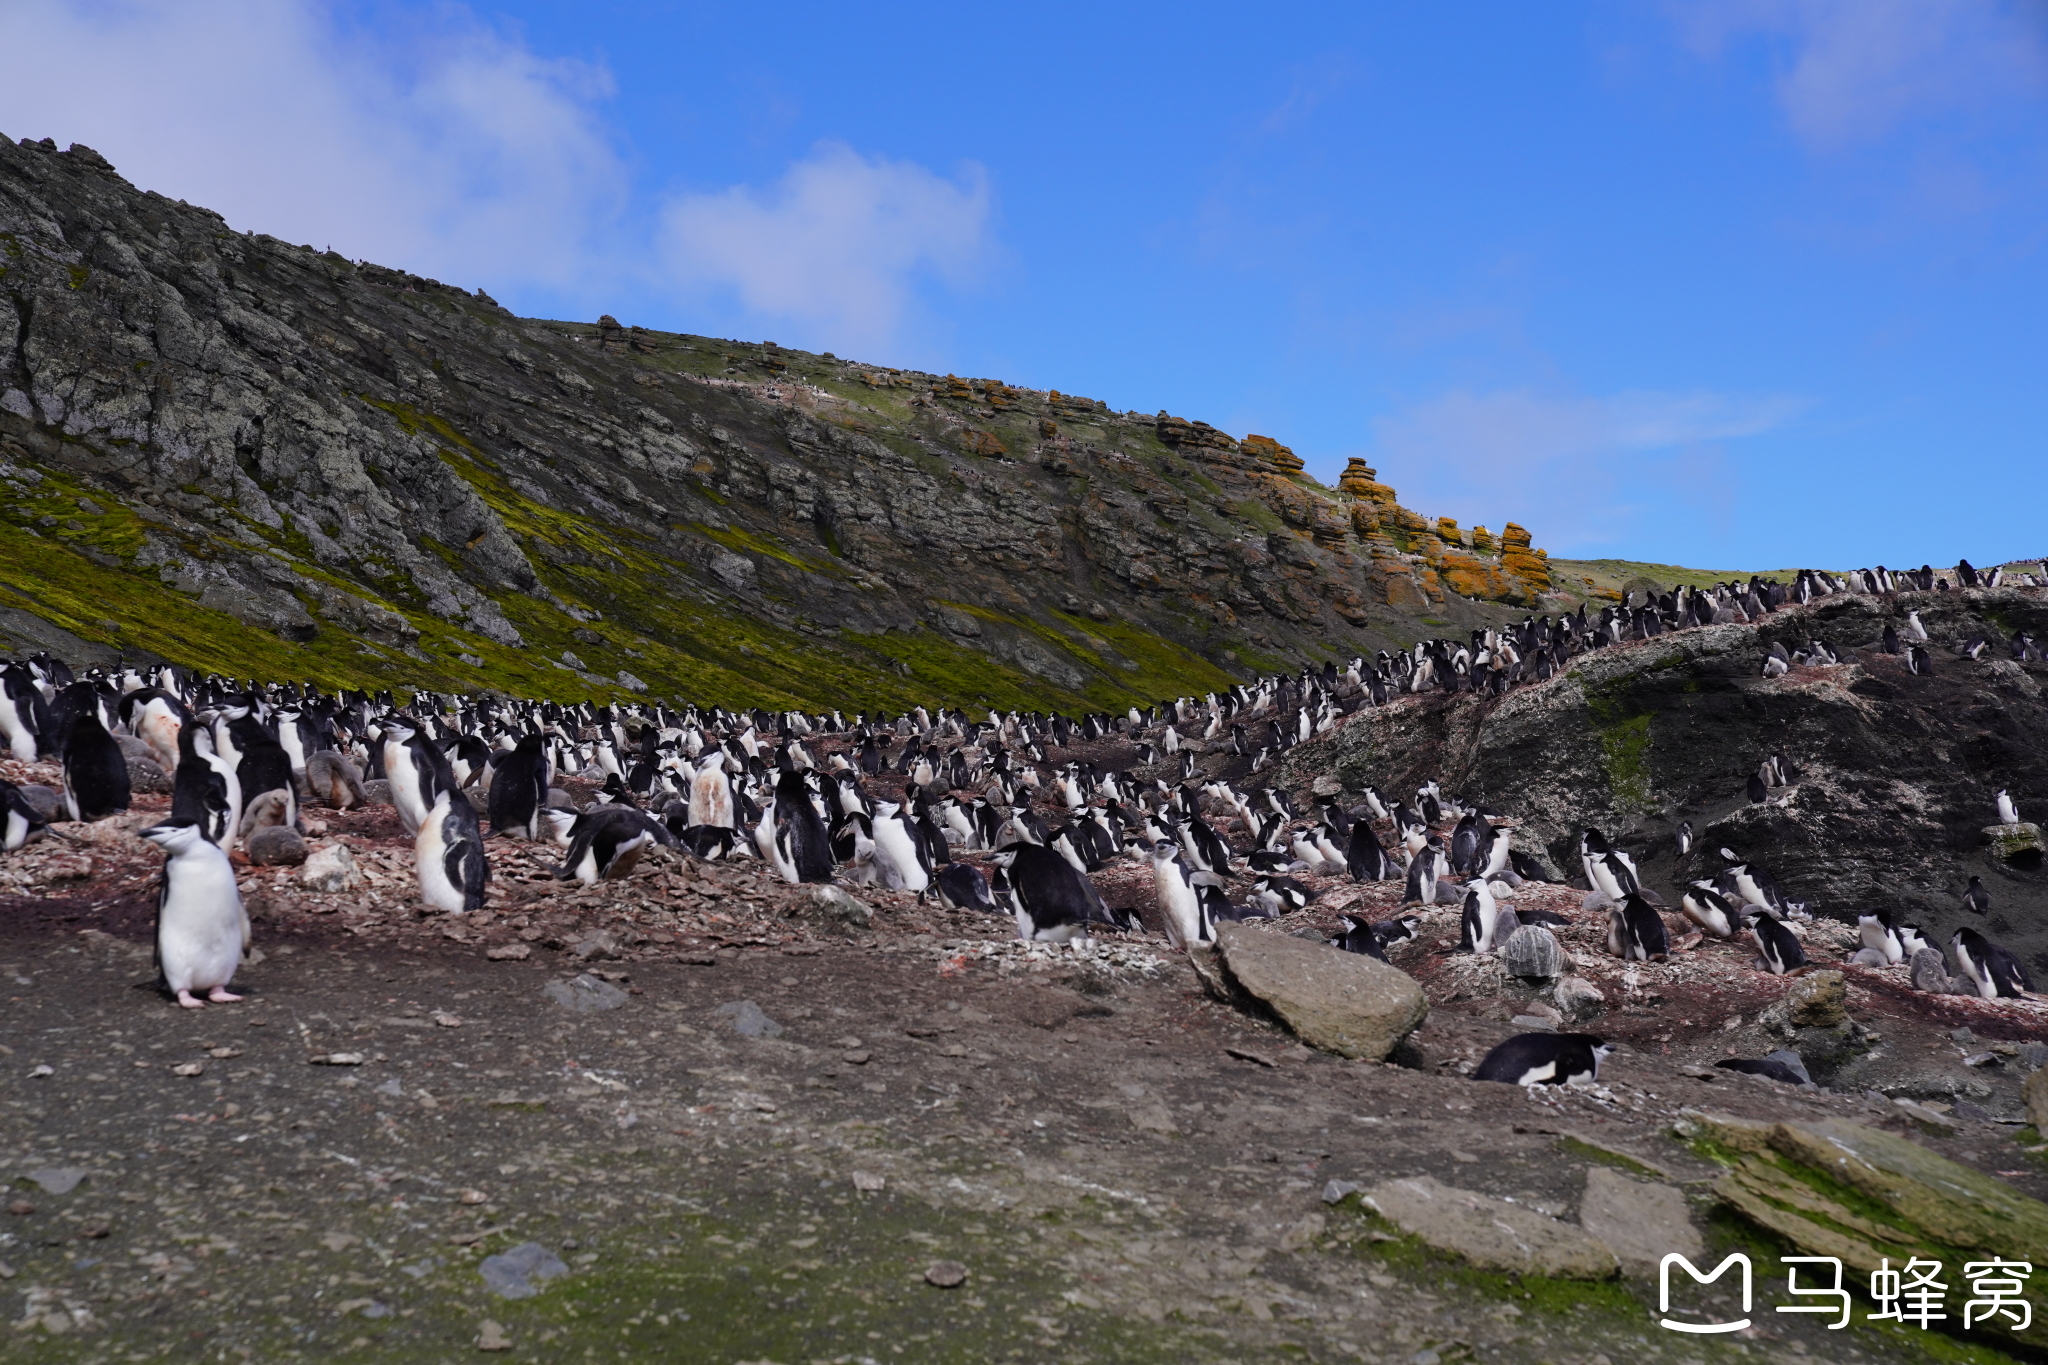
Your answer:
<point x="734" y="1136"/>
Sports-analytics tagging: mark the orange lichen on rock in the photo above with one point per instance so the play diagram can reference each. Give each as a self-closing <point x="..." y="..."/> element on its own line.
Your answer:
<point x="1521" y="562"/>
<point x="1469" y="577"/>
<point x="1359" y="480"/>
<point x="1273" y="453"/>
<point x="982" y="443"/>
<point x="1482" y="541"/>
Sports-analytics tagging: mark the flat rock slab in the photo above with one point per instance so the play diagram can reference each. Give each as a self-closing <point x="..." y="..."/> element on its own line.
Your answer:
<point x="1490" y="1233"/>
<point x="1346" y="1003"/>
<point x="1834" y="1188"/>
<point x="585" y="994"/>
<point x="1638" y="1221"/>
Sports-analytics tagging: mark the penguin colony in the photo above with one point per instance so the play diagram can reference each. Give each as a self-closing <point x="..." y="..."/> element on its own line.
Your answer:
<point x="747" y="785"/>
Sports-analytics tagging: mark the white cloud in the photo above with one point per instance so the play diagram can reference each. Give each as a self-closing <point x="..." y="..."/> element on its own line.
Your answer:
<point x="837" y="246"/>
<point x="1562" y="465"/>
<point x="1855" y="69"/>
<point x="450" y="150"/>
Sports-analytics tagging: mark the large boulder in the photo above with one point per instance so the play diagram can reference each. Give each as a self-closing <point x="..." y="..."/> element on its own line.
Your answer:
<point x="1346" y="1003"/>
<point x="1490" y="1233"/>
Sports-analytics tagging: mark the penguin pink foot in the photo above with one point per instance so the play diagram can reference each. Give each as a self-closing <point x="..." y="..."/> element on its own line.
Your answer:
<point x="189" y="1001"/>
<point x="221" y="995"/>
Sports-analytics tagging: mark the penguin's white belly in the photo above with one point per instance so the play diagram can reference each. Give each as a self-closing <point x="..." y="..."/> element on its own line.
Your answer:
<point x="201" y="929"/>
<point x="431" y="857"/>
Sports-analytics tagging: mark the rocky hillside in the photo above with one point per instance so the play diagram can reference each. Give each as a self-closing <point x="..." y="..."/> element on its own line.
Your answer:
<point x="239" y="454"/>
<point x="1896" y="771"/>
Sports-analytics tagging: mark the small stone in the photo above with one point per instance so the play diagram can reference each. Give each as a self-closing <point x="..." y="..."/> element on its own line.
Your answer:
<point x="491" y="1337"/>
<point x="473" y="1197"/>
<point x="377" y="792"/>
<point x="1533" y="953"/>
<point x="512" y="1274"/>
<point x="946" y="1274"/>
<point x="1577" y="999"/>
<point x="56" y="1179"/>
<point x="21" y="1208"/>
<point x="337" y="1059"/>
<point x="831" y="908"/>
<point x="2036" y="1094"/>
<point x="189" y="1069"/>
<point x="585" y="994"/>
<point x="509" y="952"/>
<point x="330" y="868"/>
<point x="858" y="1057"/>
<point x="748" y="1020"/>
<point x="145" y="776"/>
<point x="848" y="1042"/>
<point x="47" y="802"/>
<point x="1337" y="1190"/>
<point x="1817" y="1001"/>
<point x="867" y="1182"/>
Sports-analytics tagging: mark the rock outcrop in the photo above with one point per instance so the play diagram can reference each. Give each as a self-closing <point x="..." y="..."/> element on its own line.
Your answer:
<point x="238" y="454"/>
<point x="1896" y="771"/>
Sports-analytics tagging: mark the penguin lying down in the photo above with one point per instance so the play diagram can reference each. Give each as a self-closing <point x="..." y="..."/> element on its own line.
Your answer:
<point x="1545" y="1059"/>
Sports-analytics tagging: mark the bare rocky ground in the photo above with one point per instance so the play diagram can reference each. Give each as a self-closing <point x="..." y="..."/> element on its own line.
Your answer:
<point x="742" y="1135"/>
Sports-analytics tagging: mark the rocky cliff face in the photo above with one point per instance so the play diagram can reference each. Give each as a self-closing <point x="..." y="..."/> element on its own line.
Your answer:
<point x="1898" y="771"/>
<point x="239" y="454"/>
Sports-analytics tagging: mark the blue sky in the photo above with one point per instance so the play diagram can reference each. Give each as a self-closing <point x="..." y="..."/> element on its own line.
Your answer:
<point x="1733" y="283"/>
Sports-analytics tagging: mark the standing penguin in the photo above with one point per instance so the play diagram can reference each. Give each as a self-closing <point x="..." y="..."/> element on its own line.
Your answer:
<point x="1995" y="971"/>
<point x="24" y="712"/>
<point x="1684" y="837"/>
<point x="201" y="928"/>
<point x="448" y="852"/>
<point x="1480" y="919"/>
<point x="1977" y="899"/>
<point x="204" y="789"/>
<point x="1366" y="858"/>
<point x="416" y="770"/>
<point x="1180" y="907"/>
<point x="2008" y="813"/>
<point x="519" y="789"/>
<point x="801" y="840"/>
<point x="900" y="854"/>
<point x="95" y="773"/>
<point x="1054" y="903"/>
<point x="711" y="792"/>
